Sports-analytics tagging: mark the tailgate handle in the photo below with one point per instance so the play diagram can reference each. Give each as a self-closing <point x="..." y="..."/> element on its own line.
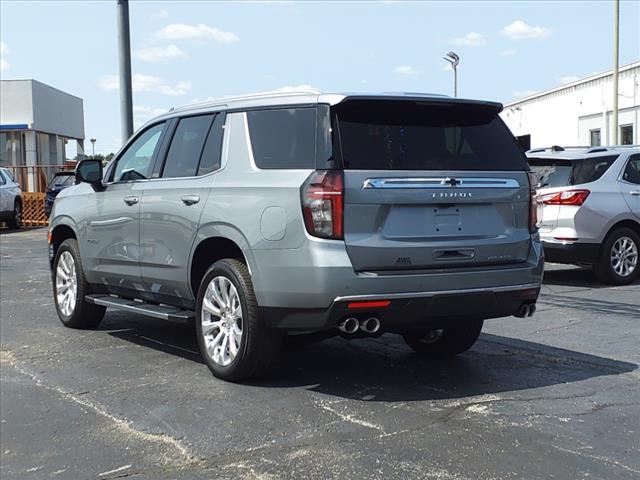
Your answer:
<point x="465" y="254"/>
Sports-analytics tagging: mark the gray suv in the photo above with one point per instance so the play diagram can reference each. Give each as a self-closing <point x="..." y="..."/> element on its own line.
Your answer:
<point x="305" y="212"/>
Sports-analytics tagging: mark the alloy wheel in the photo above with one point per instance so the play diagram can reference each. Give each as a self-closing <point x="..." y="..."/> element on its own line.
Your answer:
<point x="221" y="319"/>
<point x="624" y="256"/>
<point x="66" y="284"/>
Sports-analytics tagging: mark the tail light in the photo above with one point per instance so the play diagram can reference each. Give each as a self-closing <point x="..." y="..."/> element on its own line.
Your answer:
<point x="567" y="197"/>
<point x="535" y="207"/>
<point x="322" y="204"/>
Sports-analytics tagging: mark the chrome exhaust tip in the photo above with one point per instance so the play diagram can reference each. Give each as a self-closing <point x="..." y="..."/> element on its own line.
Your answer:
<point x="349" y="325"/>
<point x="370" y="325"/>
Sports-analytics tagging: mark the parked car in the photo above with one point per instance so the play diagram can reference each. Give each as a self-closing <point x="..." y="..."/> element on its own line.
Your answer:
<point x="10" y="200"/>
<point x="59" y="182"/>
<point x="591" y="208"/>
<point x="305" y="212"/>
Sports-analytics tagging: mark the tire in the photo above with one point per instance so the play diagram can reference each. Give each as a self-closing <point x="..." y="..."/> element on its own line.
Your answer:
<point x="445" y="342"/>
<point x="16" y="220"/>
<point x="67" y="272"/>
<point x="257" y="346"/>
<point x="625" y="244"/>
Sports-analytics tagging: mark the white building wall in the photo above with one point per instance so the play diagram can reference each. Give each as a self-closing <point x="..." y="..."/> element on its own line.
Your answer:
<point x="565" y="115"/>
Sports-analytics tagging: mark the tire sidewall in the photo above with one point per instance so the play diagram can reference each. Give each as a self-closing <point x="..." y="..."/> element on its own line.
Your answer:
<point x="17" y="214"/>
<point x="67" y="246"/>
<point x="611" y="274"/>
<point x="222" y="269"/>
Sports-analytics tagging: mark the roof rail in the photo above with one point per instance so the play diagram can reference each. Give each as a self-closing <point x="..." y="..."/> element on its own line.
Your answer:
<point x="252" y="96"/>
<point x="597" y="149"/>
<point x="558" y="148"/>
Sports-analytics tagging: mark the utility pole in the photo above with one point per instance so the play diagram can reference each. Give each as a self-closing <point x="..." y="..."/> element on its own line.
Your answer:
<point x="616" y="53"/>
<point x="454" y="60"/>
<point x="124" y="56"/>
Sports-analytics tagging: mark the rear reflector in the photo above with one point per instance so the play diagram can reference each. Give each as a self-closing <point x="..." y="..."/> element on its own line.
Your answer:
<point x="377" y="304"/>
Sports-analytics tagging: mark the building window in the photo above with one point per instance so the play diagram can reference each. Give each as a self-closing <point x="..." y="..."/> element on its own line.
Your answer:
<point x="594" y="136"/>
<point x="626" y="134"/>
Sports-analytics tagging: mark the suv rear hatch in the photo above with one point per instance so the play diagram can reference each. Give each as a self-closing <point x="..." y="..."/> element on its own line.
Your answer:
<point x="561" y="175"/>
<point x="431" y="185"/>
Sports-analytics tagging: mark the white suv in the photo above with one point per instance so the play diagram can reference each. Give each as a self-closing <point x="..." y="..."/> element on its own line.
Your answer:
<point x="10" y="200"/>
<point x="591" y="208"/>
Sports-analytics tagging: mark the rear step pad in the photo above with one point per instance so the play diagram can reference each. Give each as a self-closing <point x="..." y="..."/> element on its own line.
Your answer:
<point x="164" y="312"/>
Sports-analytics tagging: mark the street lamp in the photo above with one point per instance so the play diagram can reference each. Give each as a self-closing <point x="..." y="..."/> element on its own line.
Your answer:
<point x="454" y="60"/>
<point x="93" y="147"/>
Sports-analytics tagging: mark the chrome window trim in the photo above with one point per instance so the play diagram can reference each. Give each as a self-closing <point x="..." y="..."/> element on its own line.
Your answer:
<point x="440" y="182"/>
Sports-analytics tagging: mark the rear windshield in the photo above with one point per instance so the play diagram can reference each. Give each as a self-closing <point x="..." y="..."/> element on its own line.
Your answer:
<point x="391" y="135"/>
<point x="553" y="172"/>
<point x="62" y="180"/>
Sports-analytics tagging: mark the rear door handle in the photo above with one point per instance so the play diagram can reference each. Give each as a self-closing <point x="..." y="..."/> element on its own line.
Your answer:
<point x="131" y="200"/>
<point x="635" y="192"/>
<point x="190" y="199"/>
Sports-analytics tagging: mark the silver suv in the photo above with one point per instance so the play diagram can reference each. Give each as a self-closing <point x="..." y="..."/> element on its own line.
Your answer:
<point x="305" y="212"/>
<point x="591" y="208"/>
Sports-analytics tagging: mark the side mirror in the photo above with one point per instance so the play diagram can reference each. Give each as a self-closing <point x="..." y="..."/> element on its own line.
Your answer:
<point x="90" y="171"/>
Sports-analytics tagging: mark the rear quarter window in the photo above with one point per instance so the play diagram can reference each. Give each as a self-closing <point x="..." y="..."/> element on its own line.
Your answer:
<point x="404" y="135"/>
<point x="283" y="138"/>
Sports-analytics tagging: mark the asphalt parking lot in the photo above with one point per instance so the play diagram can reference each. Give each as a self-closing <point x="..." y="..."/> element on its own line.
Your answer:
<point x="555" y="396"/>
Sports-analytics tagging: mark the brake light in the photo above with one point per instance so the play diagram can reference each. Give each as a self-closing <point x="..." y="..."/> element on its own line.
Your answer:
<point x="567" y="197"/>
<point x="535" y="207"/>
<point x="322" y="204"/>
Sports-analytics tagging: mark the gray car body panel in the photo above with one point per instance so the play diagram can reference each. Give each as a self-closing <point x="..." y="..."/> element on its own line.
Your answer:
<point x="260" y="211"/>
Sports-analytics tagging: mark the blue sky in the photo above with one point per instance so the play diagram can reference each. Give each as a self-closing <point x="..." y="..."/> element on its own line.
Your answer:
<point x="189" y="51"/>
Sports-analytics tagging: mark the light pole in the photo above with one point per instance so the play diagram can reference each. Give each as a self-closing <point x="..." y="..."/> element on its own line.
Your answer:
<point x="454" y="60"/>
<point x="93" y="147"/>
<point x="616" y="36"/>
<point x="124" y="56"/>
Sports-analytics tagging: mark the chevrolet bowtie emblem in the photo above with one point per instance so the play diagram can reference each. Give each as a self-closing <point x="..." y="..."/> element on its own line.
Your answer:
<point x="450" y="181"/>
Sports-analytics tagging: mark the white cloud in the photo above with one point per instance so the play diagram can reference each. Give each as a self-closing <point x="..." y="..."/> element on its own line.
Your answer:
<point x="159" y="54"/>
<point x="405" y="70"/>
<point x="162" y="13"/>
<point x="471" y="39"/>
<point x="142" y="114"/>
<point x="4" y="49"/>
<point x="519" y="30"/>
<point x="567" y="79"/>
<point x="146" y="83"/>
<point x="177" y="31"/>
<point x="508" y="53"/>
<point x="524" y="93"/>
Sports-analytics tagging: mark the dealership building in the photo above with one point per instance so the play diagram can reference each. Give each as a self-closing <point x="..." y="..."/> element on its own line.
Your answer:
<point x="37" y="123"/>
<point x="579" y="113"/>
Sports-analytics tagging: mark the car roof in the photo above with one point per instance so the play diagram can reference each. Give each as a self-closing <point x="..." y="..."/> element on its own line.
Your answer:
<point x="581" y="153"/>
<point x="308" y="97"/>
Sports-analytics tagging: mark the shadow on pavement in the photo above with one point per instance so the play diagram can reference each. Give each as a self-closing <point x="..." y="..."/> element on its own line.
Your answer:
<point x="385" y="369"/>
<point x="575" y="277"/>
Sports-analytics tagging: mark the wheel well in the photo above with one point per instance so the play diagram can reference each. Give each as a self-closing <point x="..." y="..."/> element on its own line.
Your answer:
<point x="208" y="252"/>
<point x="60" y="234"/>
<point x="632" y="224"/>
<point x="18" y="200"/>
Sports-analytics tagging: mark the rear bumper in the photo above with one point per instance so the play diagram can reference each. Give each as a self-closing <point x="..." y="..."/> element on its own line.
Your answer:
<point x="410" y="311"/>
<point x="571" y="253"/>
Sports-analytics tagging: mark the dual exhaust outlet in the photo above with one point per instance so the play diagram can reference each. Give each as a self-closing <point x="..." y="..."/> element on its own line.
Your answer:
<point x="352" y="325"/>
<point x="526" y="310"/>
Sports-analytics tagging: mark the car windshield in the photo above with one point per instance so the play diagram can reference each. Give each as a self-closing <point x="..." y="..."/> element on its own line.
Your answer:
<point x="64" y="180"/>
<point x="553" y="172"/>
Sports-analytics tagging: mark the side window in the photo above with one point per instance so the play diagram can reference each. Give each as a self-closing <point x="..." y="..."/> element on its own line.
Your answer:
<point x="135" y="163"/>
<point x="186" y="147"/>
<point x="2" y="180"/>
<point x="632" y="172"/>
<point x="283" y="138"/>
<point x="210" y="161"/>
